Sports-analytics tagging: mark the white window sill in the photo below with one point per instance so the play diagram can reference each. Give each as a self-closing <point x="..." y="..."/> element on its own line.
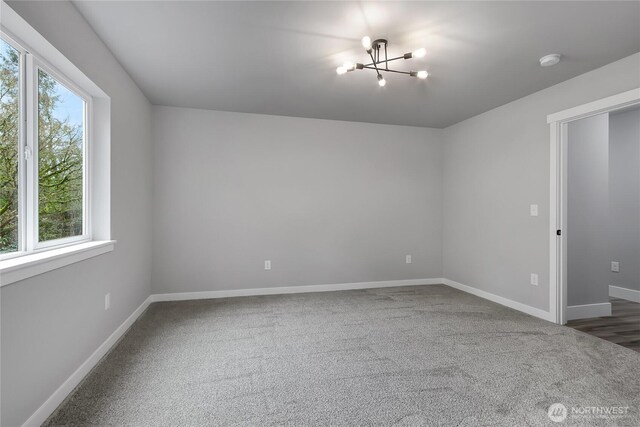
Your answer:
<point x="20" y="268"/>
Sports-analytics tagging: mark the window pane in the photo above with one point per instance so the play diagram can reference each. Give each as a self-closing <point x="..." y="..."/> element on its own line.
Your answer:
<point x="9" y="143"/>
<point x="60" y="159"/>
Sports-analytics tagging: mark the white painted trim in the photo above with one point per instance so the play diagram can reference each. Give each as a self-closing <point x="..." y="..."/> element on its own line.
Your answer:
<point x="615" y="102"/>
<point x="557" y="197"/>
<point x="52" y="403"/>
<point x="182" y="296"/>
<point x="555" y="243"/>
<point x="22" y="267"/>
<point x="587" y="311"/>
<point x="347" y="286"/>
<point x="536" y="312"/>
<point x="37" y="52"/>
<point x="624" y="293"/>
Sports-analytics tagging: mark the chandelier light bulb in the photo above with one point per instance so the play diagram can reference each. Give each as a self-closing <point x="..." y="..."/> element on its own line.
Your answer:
<point x="422" y="74"/>
<point x="366" y="42"/>
<point x="341" y="70"/>
<point x="381" y="81"/>
<point x="419" y="53"/>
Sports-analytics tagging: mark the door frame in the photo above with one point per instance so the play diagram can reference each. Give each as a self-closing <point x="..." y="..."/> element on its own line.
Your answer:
<point x="558" y="124"/>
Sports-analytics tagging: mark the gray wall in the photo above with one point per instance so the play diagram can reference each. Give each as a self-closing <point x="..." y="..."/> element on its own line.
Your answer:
<point x="494" y="166"/>
<point x="325" y="201"/>
<point x="624" y="193"/>
<point x="587" y="230"/>
<point x="51" y="323"/>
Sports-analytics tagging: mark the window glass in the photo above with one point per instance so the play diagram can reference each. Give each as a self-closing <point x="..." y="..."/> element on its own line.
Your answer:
<point x="61" y="126"/>
<point x="9" y="143"/>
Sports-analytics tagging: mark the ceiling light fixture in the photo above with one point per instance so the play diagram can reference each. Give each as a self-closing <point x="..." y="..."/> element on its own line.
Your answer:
<point x="377" y="50"/>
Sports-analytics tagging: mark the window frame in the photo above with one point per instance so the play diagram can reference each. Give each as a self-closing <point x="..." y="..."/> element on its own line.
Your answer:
<point x="28" y="174"/>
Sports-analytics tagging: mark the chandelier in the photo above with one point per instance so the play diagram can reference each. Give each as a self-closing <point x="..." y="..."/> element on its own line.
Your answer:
<point x="377" y="50"/>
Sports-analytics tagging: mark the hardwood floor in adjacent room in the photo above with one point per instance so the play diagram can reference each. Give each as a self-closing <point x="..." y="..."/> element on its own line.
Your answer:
<point x="622" y="327"/>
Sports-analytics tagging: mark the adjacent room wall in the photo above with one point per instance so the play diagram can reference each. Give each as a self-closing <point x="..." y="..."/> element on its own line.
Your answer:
<point x="326" y="201"/>
<point x="53" y="322"/>
<point x="587" y="231"/>
<point x="494" y="166"/>
<point x="624" y="192"/>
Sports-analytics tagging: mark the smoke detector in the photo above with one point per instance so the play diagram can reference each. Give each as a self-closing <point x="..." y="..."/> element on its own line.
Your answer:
<point x="549" y="60"/>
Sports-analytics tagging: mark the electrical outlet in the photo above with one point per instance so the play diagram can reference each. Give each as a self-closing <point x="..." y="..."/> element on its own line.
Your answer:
<point x="107" y="301"/>
<point x="407" y="259"/>
<point x="267" y="265"/>
<point x="615" y="266"/>
<point x="534" y="279"/>
<point x="533" y="210"/>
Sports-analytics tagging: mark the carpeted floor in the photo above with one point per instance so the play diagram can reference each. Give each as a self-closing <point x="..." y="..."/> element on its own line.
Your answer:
<point x="423" y="355"/>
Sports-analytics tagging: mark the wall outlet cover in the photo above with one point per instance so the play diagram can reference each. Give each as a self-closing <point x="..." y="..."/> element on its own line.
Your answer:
<point x="615" y="266"/>
<point x="534" y="279"/>
<point x="267" y="265"/>
<point x="408" y="259"/>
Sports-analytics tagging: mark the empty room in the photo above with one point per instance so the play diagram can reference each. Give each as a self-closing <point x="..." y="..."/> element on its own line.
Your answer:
<point x="319" y="213"/>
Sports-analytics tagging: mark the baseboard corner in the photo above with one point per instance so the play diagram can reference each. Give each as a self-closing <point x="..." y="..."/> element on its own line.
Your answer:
<point x="533" y="311"/>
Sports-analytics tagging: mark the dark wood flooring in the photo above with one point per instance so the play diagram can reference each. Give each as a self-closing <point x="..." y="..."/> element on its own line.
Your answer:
<point x="622" y="327"/>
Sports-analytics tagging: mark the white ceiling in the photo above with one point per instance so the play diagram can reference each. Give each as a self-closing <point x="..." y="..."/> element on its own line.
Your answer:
<point x="280" y="57"/>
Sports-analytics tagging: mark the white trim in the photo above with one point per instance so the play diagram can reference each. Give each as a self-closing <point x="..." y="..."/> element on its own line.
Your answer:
<point x="182" y="296"/>
<point x="587" y="311"/>
<point x="555" y="243"/>
<point x="58" y="396"/>
<point x="37" y="52"/>
<point x="624" y="293"/>
<point x="52" y="403"/>
<point x="536" y="312"/>
<point x="15" y="269"/>
<point x="615" y="102"/>
<point x="557" y="197"/>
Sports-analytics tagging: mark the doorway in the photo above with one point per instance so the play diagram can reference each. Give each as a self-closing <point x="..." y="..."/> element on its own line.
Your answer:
<point x="560" y="220"/>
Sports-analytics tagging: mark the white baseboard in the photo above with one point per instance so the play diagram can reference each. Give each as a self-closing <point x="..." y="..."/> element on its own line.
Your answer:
<point x="536" y="312"/>
<point x="47" y="408"/>
<point x="588" y="311"/>
<point x="624" y="293"/>
<point x="182" y="296"/>
<point x="52" y="403"/>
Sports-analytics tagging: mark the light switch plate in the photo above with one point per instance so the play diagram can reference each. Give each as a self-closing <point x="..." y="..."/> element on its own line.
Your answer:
<point x="615" y="266"/>
<point x="534" y="279"/>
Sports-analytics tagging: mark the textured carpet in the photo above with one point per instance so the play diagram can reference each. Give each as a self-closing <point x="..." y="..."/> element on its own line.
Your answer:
<point x="423" y="355"/>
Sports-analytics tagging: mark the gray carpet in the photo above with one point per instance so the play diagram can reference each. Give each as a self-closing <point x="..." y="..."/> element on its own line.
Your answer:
<point x="424" y="355"/>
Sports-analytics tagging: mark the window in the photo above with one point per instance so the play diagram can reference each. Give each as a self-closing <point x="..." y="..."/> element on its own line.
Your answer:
<point x="9" y="146"/>
<point x="55" y="157"/>
<point x="44" y="121"/>
<point x="61" y="136"/>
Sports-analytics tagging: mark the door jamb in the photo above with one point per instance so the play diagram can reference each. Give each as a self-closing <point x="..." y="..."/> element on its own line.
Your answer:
<point x="558" y="190"/>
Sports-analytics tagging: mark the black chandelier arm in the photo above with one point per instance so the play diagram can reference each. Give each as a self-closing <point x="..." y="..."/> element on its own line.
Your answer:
<point x="388" y="70"/>
<point x="374" y="63"/>
<point x="388" y="60"/>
